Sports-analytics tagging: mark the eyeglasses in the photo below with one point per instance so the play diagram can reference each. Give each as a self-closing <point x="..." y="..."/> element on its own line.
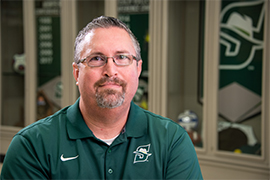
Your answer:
<point x="100" y="60"/>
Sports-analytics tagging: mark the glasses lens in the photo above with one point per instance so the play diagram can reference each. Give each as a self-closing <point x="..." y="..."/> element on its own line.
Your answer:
<point x="123" y="60"/>
<point x="100" y="60"/>
<point x="96" y="60"/>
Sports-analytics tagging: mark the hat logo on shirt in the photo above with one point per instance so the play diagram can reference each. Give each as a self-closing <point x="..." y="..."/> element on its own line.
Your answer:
<point x="142" y="153"/>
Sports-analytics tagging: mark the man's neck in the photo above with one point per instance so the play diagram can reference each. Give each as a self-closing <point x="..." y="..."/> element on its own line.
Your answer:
<point x="103" y="122"/>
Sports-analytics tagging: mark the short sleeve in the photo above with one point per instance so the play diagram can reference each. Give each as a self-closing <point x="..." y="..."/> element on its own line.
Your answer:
<point x="21" y="161"/>
<point x="183" y="162"/>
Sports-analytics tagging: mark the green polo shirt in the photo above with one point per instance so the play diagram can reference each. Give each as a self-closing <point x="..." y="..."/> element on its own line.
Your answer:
<point x="63" y="147"/>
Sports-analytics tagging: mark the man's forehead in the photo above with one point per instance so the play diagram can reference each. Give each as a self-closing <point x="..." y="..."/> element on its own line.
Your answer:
<point x="90" y="37"/>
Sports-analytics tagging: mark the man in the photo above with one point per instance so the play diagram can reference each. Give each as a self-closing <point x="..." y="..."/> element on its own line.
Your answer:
<point x="104" y="135"/>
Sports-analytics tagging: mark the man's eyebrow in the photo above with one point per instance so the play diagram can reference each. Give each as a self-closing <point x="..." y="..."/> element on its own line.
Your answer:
<point x="123" y="51"/>
<point x="96" y="53"/>
<point x="117" y="52"/>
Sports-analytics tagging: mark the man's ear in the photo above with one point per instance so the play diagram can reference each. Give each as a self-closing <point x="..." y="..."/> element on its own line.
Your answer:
<point x="75" y="72"/>
<point x="139" y="67"/>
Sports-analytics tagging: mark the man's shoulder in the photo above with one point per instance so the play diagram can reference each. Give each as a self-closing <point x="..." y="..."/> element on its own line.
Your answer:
<point x="45" y="125"/>
<point x="164" y="131"/>
<point x="160" y="122"/>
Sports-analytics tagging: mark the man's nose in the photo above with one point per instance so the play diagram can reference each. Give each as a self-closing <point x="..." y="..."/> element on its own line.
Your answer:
<point x="110" y="68"/>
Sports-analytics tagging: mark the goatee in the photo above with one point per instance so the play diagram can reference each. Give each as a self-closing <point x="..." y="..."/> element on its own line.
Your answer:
<point x="110" y="98"/>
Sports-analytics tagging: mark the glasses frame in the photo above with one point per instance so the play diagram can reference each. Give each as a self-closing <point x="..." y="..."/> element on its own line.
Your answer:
<point x="106" y="60"/>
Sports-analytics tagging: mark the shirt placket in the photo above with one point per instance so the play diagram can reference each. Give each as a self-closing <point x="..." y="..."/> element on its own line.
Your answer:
<point x="111" y="161"/>
<point x="109" y="164"/>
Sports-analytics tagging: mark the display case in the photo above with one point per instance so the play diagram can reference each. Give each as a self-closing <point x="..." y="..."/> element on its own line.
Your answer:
<point x="12" y="64"/>
<point x="199" y="78"/>
<point x="37" y="39"/>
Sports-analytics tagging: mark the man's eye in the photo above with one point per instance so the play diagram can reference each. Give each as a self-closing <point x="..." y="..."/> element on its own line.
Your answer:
<point x="97" y="58"/>
<point x="121" y="57"/>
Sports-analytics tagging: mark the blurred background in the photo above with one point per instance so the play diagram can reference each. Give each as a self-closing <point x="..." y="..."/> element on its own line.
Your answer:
<point x="205" y="65"/>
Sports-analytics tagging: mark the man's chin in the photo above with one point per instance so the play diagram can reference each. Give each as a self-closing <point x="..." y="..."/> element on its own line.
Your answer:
<point x="110" y="104"/>
<point x="110" y="99"/>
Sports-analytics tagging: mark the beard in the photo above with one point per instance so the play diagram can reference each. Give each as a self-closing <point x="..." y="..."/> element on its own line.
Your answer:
<point x="110" y="98"/>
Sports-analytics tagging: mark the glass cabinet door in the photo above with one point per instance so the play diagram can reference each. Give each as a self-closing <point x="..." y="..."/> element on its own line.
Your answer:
<point x="185" y="75"/>
<point x="240" y="76"/>
<point x="16" y="66"/>
<point x="12" y="64"/>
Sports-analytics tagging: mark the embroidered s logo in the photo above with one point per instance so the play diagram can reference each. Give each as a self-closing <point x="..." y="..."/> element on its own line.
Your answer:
<point x="142" y="153"/>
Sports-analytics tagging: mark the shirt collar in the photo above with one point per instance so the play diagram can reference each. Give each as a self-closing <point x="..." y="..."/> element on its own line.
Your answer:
<point x="76" y="126"/>
<point x="136" y="125"/>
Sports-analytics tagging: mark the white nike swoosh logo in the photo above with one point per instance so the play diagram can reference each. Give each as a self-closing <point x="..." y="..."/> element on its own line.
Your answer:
<point x="69" y="158"/>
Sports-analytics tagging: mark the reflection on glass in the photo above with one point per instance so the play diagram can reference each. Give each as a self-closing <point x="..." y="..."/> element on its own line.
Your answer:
<point x="240" y="79"/>
<point x="13" y="63"/>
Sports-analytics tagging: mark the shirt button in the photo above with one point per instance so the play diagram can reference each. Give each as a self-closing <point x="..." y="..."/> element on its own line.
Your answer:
<point x="109" y="151"/>
<point x="110" y="171"/>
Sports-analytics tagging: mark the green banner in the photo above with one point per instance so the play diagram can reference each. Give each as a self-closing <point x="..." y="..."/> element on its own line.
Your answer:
<point x="241" y="44"/>
<point x="48" y="40"/>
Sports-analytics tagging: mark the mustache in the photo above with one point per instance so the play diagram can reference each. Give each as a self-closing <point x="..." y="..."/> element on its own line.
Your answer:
<point x="114" y="80"/>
